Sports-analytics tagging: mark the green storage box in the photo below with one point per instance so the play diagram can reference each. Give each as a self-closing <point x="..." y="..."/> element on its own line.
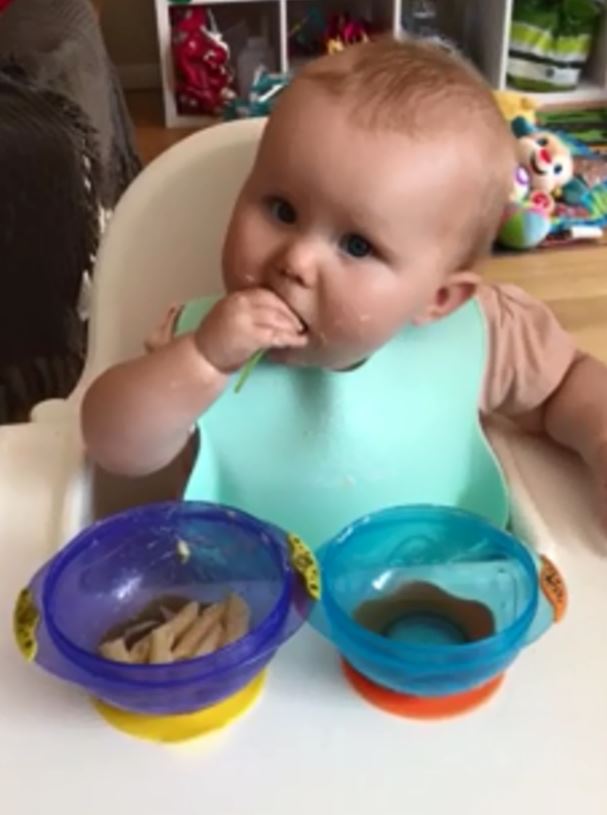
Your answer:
<point x="550" y="41"/>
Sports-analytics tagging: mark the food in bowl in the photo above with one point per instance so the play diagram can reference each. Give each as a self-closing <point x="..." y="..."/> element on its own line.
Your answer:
<point x="422" y="613"/>
<point x="172" y="628"/>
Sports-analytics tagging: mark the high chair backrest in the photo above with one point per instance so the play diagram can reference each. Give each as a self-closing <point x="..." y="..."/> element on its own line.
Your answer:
<point x="163" y="244"/>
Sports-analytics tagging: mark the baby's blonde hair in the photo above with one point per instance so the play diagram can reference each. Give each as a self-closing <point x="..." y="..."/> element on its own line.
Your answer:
<point x="420" y="89"/>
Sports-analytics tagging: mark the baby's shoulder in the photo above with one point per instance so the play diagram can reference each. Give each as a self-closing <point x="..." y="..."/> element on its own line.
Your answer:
<point x="515" y="316"/>
<point x="505" y="301"/>
<point x="528" y="350"/>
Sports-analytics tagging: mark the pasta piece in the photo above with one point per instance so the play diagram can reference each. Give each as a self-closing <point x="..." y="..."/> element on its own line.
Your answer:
<point x="180" y="623"/>
<point x="156" y="647"/>
<point x="166" y="615"/>
<point x="192" y="638"/>
<point x="161" y="640"/>
<point x="136" y="632"/>
<point x="174" y="629"/>
<point x="183" y="551"/>
<point x="211" y="642"/>
<point x="115" y="650"/>
<point x="140" y="651"/>
<point x="236" y="619"/>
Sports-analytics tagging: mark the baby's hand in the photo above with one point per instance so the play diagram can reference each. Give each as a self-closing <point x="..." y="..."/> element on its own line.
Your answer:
<point x="246" y="322"/>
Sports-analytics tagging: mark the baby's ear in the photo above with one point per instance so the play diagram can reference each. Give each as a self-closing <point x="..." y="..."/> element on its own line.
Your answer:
<point x="457" y="290"/>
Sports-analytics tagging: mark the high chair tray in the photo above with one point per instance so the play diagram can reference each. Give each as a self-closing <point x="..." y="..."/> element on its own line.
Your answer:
<point x="311" y="744"/>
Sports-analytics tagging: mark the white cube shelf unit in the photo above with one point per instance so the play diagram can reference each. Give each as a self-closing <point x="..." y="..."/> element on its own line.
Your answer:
<point x="480" y="27"/>
<point x="279" y="14"/>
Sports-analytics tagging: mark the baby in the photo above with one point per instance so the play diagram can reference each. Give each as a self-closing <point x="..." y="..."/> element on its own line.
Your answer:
<point x="352" y="260"/>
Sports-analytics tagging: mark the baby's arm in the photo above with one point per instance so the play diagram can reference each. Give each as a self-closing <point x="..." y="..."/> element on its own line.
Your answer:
<point x="537" y="377"/>
<point x="137" y="416"/>
<point x="576" y="415"/>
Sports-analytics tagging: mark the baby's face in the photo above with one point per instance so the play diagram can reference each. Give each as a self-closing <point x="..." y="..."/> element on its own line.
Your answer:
<point x="353" y="229"/>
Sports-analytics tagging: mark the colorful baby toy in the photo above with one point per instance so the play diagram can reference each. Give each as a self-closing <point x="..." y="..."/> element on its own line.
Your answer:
<point x="344" y="30"/>
<point x="314" y="35"/>
<point x="544" y="170"/>
<point x="307" y="34"/>
<point x="546" y="158"/>
<point x="513" y="104"/>
<point x="260" y="100"/>
<point x="203" y="76"/>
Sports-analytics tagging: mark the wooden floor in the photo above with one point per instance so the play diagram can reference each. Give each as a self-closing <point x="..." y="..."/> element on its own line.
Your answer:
<point x="572" y="281"/>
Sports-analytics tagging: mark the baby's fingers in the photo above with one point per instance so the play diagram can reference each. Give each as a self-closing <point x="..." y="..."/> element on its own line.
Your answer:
<point x="276" y="338"/>
<point x="264" y="300"/>
<point x="278" y="320"/>
<point x="290" y="340"/>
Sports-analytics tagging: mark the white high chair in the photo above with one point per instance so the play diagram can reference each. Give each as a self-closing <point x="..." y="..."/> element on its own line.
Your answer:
<point x="163" y="246"/>
<point x="312" y="745"/>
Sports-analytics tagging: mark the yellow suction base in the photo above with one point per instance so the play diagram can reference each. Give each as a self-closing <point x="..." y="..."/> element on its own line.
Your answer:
<point x="183" y="726"/>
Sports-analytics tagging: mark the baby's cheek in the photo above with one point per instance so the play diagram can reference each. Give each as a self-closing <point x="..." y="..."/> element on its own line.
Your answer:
<point x="243" y="253"/>
<point x="361" y="323"/>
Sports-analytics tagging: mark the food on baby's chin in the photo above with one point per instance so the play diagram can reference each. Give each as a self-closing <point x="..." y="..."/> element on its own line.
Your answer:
<point x="172" y="629"/>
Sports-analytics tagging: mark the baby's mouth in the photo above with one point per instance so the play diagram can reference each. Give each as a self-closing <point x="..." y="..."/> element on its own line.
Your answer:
<point x="303" y="326"/>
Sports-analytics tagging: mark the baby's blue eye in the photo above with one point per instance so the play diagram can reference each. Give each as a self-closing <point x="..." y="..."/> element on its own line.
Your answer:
<point x="282" y="211"/>
<point x="356" y="246"/>
<point x="558" y="168"/>
<point x="542" y="141"/>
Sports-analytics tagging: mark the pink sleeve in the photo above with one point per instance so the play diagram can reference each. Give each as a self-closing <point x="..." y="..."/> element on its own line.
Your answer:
<point x="529" y="353"/>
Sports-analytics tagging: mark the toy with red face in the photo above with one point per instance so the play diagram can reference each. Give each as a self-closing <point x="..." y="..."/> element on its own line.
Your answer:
<point x="546" y="159"/>
<point x="203" y="76"/>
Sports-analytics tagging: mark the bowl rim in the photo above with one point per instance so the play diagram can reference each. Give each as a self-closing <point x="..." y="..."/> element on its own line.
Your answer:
<point x="505" y="640"/>
<point x="228" y="658"/>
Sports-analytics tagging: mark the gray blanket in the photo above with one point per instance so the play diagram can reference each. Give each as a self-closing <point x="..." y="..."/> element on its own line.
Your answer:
<point x="66" y="152"/>
<point x="58" y="45"/>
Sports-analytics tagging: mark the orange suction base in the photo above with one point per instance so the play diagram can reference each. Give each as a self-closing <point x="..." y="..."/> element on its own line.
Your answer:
<point x="418" y="707"/>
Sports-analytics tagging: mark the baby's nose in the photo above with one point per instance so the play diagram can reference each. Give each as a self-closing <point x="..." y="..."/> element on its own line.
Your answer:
<point x="301" y="275"/>
<point x="545" y="155"/>
<point x="299" y="264"/>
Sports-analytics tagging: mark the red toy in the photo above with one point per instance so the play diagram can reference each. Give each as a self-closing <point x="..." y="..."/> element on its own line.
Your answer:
<point x="203" y="76"/>
<point x="344" y="30"/>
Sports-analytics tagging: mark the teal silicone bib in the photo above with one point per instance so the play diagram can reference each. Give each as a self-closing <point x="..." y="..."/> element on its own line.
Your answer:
<point x="312" y="450"/>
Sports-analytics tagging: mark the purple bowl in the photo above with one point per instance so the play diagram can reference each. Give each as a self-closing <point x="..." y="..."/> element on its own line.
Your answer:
<point x="110" y="571"/>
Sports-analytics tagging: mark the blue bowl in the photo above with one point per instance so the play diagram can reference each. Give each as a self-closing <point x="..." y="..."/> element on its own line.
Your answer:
<point x="428" y="601"/>
<point x="113" y="569"/>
